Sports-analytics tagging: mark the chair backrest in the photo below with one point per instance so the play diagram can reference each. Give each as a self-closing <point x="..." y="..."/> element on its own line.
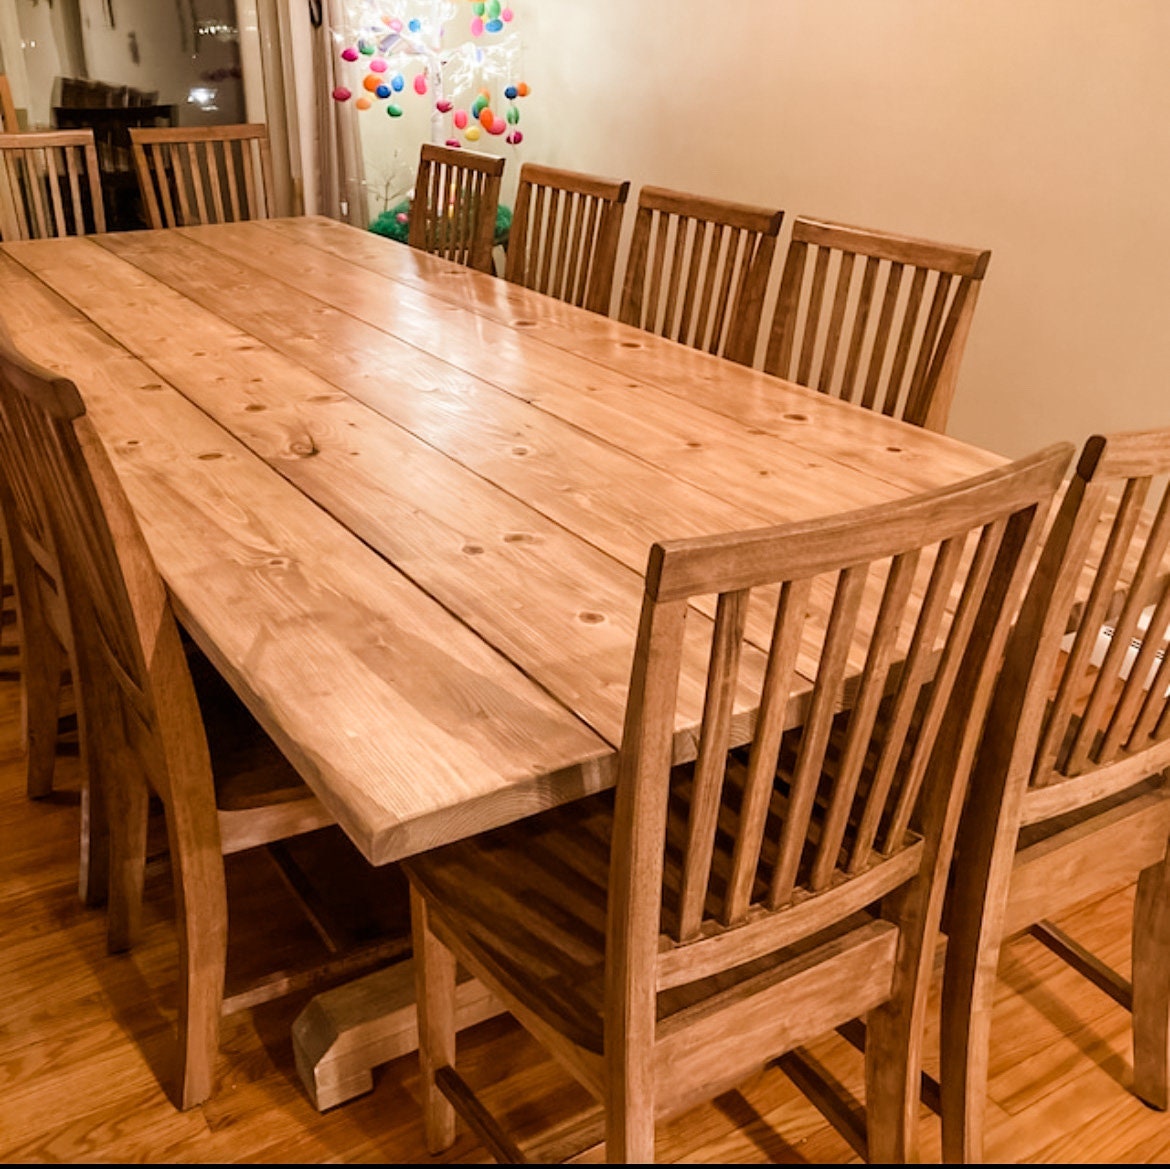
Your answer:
<point x="9" y="123"/>
<point x="866" y="800"/>
<point x="116" y="600"/>
<point x="1086" y="681"/>
<point x="564" y="235"/>
<point x="50" y="185"/>
<point x="111" y="129"/>
<point x="190" y="175"/>
<point x="888" y="334"/>
<point x="698" y="270"/>
<point x="453" y="210"/>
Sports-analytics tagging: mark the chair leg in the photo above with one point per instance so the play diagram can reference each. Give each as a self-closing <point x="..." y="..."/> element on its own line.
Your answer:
<point x="44" y="659"/>
<point x="127" y="799"/>
<point x="892" y="1084"/>
<point x="202" y="920"/>
<point x="93" y="881"/>
<point x="434" y="967"/>
<point x="1151" y="985"/>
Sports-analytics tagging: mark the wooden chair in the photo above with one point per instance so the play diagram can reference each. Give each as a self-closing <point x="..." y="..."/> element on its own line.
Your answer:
<point x="698" y="270"/>
<point x="49" y="185"/>
<point x="47" y="667"/>
<point x="9" y="122"/>
<point x="190" y="175"/>
<point x="453" y="210"/>
<point x="1070" y="795"/>
<point x="151" y="701"/>
<point x="111" y="132"/>
<point x="564" y="235"/>
<point x="668" y="939"/>
<point x="889" y="334"/>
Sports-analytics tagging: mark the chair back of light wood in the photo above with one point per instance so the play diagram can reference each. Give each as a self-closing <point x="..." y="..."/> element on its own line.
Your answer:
<point x="698" y="270"/>
<point x="190" y="175"/>
<point x="9" y="122"/>
<point x="50" y="185"/>
<point x="453" y="210"/>
<point x="1069" y="798"/>
<point x="865" y="800"/>
<point x="564" y="235"/>
<point x="1087" y="681"/>
<point x="888" y="333"/>
<point x="45" y="631"/>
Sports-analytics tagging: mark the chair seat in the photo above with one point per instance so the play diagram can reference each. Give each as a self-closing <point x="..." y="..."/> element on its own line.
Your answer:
<point x="528" y="901"/>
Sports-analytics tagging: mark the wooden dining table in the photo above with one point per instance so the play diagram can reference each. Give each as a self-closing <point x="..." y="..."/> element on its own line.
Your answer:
<point x="406" y="507"/>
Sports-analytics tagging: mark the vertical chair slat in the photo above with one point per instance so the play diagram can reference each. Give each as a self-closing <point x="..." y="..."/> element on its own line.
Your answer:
<point x="863" y="716"/>
<point x="714" y="741"/>
<point x="730" y="286"/>
<point x="788" y="627"/>
<point x="1126" y="704"/>
<point x="860" y="324"/>
<point x="1055" y="751"/>
<point x="814" y="737"/>
<point x="53" y="182"/>
<point x="928" y="341"/>
<point x="196" y="173"/>
<point x="836" y="322"/>
<point x="213" y="177"/>
<point x="974" y="588"/>
<point x="813" y="320"/>
<point x="877" y="359"/>
<point x="916" y="672"/>
<point x="903" y="348"/>
<point x="32" y="173"/>
<point x="705" y="260"/>
<point x="1155" y="646"/>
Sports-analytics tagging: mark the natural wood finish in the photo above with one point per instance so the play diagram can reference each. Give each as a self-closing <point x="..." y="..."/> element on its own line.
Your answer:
<point x="666" y="942"/>
<point x="564" y="235"/>
<point x="453" y="209"/>
<point x="697" y="270"/>
<point x="414" y="542"/>
<point x="1069" y="795"/>
<point x="146" y="715"/>
<point x="887" y="334"/>
<point x="346" y="1032"/>
<point x="49" y="185"/>
<point x="9" y="122"/>
<point x="47" y="661"/>
<point x="203" y="174"/>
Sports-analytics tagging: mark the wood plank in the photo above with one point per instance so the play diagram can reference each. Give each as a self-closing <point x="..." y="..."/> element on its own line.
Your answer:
<point x="565" y="613"/>
<point x="904" y="456"/>
<point x="338" y="655"/>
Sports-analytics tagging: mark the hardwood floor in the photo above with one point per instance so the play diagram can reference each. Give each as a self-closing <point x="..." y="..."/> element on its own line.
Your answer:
<point x="84" y="1040"/>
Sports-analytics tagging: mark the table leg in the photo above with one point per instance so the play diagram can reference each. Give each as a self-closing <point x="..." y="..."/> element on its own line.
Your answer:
<point x="345" y="1032"/>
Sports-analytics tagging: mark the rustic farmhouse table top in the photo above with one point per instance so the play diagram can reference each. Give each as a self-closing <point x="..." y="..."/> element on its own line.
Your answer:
<point x="406" y="507"/>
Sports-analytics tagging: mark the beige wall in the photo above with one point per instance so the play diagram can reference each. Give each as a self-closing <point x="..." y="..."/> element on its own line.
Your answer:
<point x="1037" y="128"/>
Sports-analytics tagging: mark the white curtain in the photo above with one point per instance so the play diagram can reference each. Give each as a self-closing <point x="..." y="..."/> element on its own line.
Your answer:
<point x="289" y="59"/>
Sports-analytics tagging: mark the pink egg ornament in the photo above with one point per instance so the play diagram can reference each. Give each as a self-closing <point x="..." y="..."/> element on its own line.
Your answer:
<point x="420" y="83"/>
<point x="443" y="106"/>
<point x="350" y="54"/>
<point x="340" y="93"/>
<point x="460" y="119"/>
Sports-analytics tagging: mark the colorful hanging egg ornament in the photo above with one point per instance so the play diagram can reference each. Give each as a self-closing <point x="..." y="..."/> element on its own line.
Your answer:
<point x="459" y="117"/>
<point x="371" y="81"/>
<point x="486" y="118"/>
<point x="378" y="65"/>
<point x="395" y="111"/>
<point x="350" y="54"/>
<point x="513" y="115"/>
<point x="340" y="93"/>
<point x="443" y="106"/>
<point x="398" y="82"/>
<point x="511" y="92"/>
<point x="514" y="138"/>
<point x="420" y="83"/>
<point x="383" y="91"/>
<point x="477" y="26"/>
<point x="363" y="103"/>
